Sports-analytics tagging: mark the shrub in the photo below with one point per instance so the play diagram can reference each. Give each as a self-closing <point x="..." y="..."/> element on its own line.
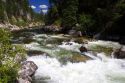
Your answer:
<point x="85" y="22"/>
<point x="8" y="64"/>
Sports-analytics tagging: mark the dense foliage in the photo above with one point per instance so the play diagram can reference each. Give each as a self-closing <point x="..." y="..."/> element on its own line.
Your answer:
<point x="9" y="55"/>
<point x="69" y="14"/>
<point x="92" y="16"/>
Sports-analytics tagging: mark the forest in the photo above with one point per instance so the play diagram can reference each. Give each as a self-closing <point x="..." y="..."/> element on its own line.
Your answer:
<point x="92" y="17"/>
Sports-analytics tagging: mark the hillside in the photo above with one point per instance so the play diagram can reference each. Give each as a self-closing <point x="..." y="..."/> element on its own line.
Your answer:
<point x="17" y="12"/>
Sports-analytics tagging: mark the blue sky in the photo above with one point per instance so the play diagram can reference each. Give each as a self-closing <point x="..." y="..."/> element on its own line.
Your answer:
<point x="37" y="5"/>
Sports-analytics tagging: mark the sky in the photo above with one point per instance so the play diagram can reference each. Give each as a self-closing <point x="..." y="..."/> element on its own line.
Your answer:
<point x="38" y="5"/>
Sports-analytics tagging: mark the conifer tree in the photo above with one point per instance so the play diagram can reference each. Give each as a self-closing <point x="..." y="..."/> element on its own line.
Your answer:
<point x="69" y="13"/>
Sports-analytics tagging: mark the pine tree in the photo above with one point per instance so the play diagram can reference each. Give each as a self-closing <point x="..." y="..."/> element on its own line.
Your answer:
<point x="69" y="13"/>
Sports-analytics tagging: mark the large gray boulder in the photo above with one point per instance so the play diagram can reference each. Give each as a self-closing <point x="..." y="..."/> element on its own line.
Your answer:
<point x="27" y="71"/>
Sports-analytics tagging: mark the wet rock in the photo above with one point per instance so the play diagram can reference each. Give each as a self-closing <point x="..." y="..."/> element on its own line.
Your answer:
<point x="83" y="49"/>
<point x="72" y="32"/>
<point x="20" y="80"/>
<point x="27" y="71"/>
<point x="36" y="52"/>
<point x="26" y="79"/>
<point x="79" y="58"/>
<point x="69" y="43"/>
<point x="79" y="33"/>
<point x="75" y="33"/>
<point x="119" y="53"/>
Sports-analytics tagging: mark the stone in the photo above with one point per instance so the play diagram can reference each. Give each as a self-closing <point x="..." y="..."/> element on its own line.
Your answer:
<point x="79" y="33"/>
<point x="20" y="80"/>
<point x="119" y="53"/>
<point x="72" y="32"/>
<point x="75" y="33"/>
<point x="27" y="70"/>
<point x="83" y="49"/>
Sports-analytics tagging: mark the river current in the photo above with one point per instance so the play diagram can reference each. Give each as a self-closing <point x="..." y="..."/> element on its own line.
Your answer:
<point x="81" y="69"/>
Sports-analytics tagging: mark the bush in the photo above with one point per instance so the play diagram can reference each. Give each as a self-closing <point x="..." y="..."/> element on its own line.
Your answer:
<point x="8" y="64"/>
<point x="19" y="22"/>
<point x="85" y="22"/>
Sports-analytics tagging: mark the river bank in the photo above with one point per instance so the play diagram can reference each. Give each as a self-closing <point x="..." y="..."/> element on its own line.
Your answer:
<point x="40" y="27"/>
<point x="12" y="27"/>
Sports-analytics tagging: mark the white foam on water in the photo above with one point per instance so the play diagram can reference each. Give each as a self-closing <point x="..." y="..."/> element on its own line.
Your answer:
<point x="90" y="55"/>
<point x="32" y="46"/>
<point x="92" y="71"/>
<point x="41" y="35"/>
<point x="50" y="70"/>
<point x="105" y="44"/>
<point x="73" y="47"/>
<point x="60" y="36"/>
<point x="53" y="51"/>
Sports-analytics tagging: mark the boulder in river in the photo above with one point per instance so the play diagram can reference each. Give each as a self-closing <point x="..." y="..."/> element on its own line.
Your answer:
<point x="75" y="33"/>
<point x="27" y="71"/>
<point x="79" y="33"/>
<point x="83" y="49"/>
<point x="119" y="53"/>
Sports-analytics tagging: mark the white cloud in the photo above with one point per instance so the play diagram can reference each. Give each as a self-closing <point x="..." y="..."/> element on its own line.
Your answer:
<point x="43" y="6"/>
<point x="33" y="7"/>
<point x="44" y="11"/>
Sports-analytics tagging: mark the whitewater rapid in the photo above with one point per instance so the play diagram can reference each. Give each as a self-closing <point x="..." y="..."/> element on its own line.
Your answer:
<point x="50" y="70"/>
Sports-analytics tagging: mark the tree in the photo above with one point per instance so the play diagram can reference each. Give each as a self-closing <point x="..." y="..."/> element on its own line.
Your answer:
<point x="2" y="9"/>
<point x="86" y="22"/>
<point x="69" y="13"/>
<point x="52" y="14"/>
<point x="93" y="16"/>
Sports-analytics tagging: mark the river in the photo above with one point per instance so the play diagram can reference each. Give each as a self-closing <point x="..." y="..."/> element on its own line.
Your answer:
<point x="60" y="61"/>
